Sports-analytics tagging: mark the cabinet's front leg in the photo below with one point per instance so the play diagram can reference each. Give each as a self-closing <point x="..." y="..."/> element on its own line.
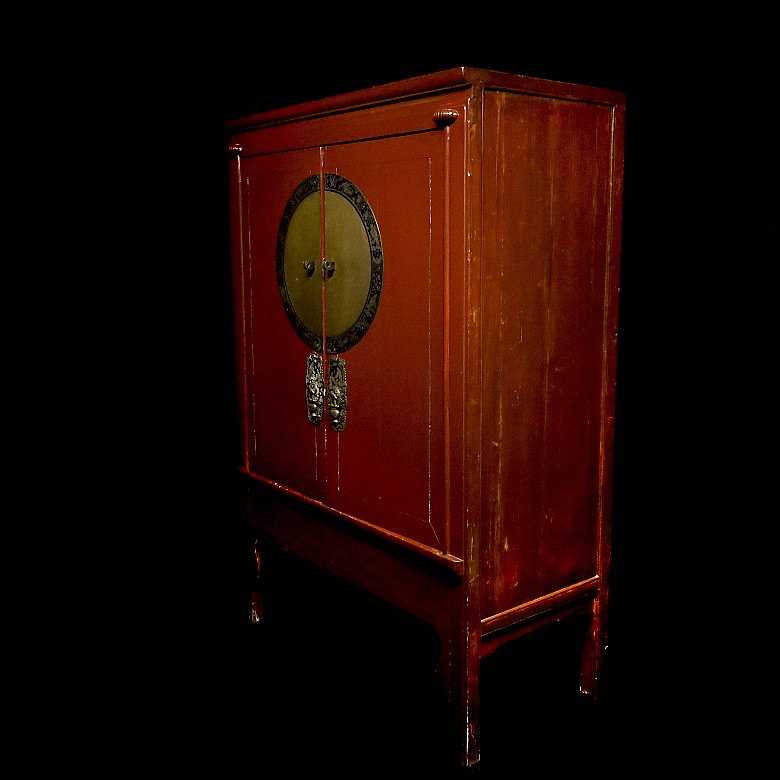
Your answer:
<point x="458" y="670"/>
<point x="593" y="649"/>
<point x="256" y="605"/>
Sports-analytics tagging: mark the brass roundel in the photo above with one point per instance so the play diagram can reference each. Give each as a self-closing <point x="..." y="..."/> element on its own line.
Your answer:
<point x="335" y="292"/>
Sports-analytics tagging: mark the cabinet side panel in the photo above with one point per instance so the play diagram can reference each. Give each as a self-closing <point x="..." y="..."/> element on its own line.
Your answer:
<point x="545" y="300"/>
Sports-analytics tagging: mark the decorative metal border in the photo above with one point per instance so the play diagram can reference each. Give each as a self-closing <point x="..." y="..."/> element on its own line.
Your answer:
<point x="334" y="183"/>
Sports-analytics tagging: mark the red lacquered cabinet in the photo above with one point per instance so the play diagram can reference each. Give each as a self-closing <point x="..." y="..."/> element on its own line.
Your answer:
<point x="426" y="291"/>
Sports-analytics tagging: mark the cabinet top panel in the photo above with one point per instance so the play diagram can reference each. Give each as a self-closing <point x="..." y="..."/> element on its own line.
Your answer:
<point x="429" y="84"/>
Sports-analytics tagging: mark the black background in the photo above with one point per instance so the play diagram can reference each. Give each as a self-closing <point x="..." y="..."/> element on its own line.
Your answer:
<point x="140" y="130"/>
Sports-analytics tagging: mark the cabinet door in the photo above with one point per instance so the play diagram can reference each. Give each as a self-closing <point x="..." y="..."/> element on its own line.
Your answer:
<point x="386" y="466"/>
<point x="380" y="458"/>
<point x="283" y="446"/>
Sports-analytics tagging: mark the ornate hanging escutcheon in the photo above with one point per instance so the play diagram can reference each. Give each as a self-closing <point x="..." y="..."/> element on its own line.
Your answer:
<point x="315" y="388"/>
<point x="337" y="393"/>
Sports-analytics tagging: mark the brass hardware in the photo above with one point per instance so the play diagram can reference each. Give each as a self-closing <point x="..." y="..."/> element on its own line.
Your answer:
<point x="337" y="393"/>
<point x="298" y="245"/>
<point x="351" y="297"/>
<point x="352" y="241"/>
<point x="315" y="388"/>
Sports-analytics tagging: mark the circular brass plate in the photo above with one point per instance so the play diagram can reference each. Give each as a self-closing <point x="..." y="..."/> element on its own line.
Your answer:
<point x="337" y="294"/>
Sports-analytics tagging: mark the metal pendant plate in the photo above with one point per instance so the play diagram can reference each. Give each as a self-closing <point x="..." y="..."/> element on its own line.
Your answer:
<point x="315" y="388"/>
<point x="337" y="393"/>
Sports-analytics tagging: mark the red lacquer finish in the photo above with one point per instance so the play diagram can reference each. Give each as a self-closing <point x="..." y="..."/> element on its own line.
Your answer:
<point x="471" y="485"/>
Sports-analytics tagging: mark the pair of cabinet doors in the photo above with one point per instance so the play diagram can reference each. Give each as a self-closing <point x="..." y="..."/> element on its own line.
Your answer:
<point x="346" y="278"/>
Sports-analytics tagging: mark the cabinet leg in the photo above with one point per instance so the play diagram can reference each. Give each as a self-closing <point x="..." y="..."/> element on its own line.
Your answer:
<point x="256" y="605"/>
<point x="593" y="652"/>
<point x="458" y="670"/>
